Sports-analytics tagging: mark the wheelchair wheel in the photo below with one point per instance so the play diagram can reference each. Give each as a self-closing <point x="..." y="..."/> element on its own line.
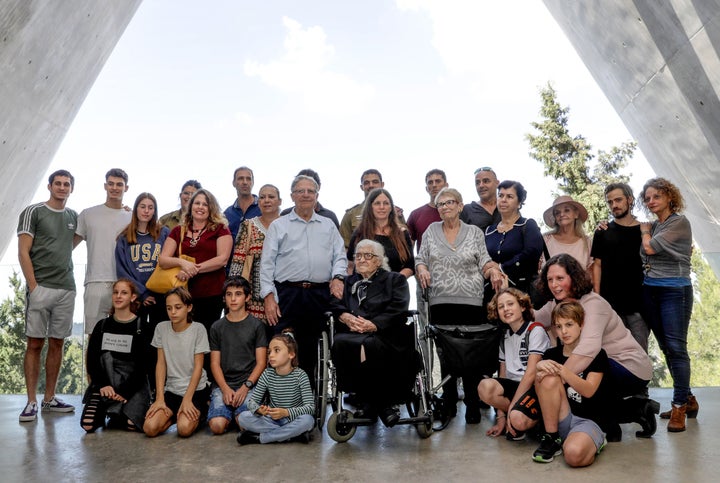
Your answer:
<point x="321" y="380"/>
<point x="424" y="430"/>
<point x="337" y="428"/>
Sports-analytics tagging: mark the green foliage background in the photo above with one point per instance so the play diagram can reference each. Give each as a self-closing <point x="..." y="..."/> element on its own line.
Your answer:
<point x="583" y="175"/>
<point x="12" y="349"/>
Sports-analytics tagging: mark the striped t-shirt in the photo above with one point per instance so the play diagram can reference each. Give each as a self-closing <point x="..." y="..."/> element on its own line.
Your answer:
<point x="291" y="391"/>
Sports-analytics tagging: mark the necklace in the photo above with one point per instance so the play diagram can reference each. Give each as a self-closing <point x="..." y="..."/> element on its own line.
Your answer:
<point x="196" y="234"/>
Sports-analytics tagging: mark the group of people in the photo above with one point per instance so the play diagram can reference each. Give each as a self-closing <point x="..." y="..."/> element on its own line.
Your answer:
<point x="254" y="274"/>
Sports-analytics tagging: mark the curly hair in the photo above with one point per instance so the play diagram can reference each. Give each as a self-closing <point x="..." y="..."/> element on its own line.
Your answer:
<point x="677" y="203"/>
<point x="522" y="298"/>
<point x="581" y="283"/>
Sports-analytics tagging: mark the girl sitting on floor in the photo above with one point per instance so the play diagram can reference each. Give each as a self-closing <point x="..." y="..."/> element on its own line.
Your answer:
<point x="116" y="364"/>
<point x="181" y="383"/>
<point x="288" y="414"/>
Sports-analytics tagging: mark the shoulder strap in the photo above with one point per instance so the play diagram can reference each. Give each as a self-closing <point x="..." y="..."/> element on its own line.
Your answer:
<point x="529" y="329"/>
<point x="182" y="237"/>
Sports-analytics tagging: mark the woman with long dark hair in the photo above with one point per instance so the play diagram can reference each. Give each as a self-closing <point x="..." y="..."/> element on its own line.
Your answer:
<point x="379" y="223"/>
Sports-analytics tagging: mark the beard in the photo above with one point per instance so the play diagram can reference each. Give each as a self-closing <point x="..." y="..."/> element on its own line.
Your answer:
<point x="622" y="214"/>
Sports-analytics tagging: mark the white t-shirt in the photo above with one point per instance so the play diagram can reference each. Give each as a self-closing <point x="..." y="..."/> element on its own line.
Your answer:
<point x="100" y="227"/>
<point x="514" y="353"/>
<point x="179" y="349"/>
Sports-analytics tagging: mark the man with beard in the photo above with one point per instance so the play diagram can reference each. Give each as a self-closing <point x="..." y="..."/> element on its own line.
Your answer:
<point x="618" y="271"/>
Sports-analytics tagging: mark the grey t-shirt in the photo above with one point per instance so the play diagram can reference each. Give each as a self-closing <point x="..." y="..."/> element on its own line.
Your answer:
<point x="672" y="242"/>
<point x="237" y="342"/>
<point x="179" y="349"/>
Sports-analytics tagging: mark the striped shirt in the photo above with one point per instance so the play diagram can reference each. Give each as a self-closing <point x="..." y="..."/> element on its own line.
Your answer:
<point x="291" y="392"/>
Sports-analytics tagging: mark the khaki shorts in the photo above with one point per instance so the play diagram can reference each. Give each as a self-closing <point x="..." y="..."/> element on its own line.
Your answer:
<point x="49" y="312"/>
<point x="98" y="302"/>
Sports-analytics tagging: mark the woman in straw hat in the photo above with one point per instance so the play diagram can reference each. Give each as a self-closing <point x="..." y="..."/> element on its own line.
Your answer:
<point x="566" y="217"/>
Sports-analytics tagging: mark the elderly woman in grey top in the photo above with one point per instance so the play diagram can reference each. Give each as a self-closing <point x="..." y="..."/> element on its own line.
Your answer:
<point x="452" y="265"/>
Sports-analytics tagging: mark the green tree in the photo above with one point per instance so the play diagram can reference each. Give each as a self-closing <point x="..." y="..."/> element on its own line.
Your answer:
<point x="570" y="160"/>
<point x="12" y="349"/>
<point x="12" y="339"/>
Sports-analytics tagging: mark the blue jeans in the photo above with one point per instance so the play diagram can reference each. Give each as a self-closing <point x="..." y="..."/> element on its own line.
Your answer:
<point x="271" y="430"/>
<point x="668" y="312"/>
<point x="218" y="408"/>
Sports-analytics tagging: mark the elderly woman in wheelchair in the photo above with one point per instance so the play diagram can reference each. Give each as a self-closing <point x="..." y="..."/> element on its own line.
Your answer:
<point x="373" y="350"/>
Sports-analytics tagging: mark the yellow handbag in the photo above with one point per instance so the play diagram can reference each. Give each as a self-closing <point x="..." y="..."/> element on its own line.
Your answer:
<point x="163" y="280"/>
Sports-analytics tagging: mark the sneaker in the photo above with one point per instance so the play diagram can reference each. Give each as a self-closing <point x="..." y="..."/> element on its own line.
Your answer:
<point x="549" y="448"/>
<point x="519" y="436"/>
<point x="602" y="446"/>
<point x="56" y="405"/>
<point x="29" y="413"/>
<point x="248" y="437"/>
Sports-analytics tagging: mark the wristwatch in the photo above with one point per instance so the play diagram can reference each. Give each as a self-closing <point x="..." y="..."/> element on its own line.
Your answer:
<point x="249" y="384"/>
<point x="339" y="277"/>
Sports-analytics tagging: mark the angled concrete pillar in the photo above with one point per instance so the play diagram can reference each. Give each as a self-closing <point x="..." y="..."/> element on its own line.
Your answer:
<point x="51" y="52"/>
<point x="658" y="63"/>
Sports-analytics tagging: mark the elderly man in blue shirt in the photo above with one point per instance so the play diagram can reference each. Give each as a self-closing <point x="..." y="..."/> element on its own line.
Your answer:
<point x="303" y="263"/>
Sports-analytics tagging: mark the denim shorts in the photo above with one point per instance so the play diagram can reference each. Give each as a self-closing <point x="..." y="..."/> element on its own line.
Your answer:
<point x="218" y="409"/>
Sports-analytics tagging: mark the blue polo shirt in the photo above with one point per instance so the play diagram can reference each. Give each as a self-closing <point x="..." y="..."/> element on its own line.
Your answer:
<point x="235" y="215"/>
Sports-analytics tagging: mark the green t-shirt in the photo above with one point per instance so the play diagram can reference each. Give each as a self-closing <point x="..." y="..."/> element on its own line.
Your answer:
<point x="51" y="251"/>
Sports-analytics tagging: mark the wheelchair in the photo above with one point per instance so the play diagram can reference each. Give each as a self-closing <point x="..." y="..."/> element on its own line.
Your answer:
<point x="422" y="404"/>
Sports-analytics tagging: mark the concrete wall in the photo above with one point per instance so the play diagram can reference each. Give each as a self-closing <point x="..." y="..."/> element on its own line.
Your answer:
<point x="51" y="52"/>
<point x="658" y="62"/>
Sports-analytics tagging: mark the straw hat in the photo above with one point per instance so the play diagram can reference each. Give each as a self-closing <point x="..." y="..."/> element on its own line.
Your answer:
<point x="549" y="218"/>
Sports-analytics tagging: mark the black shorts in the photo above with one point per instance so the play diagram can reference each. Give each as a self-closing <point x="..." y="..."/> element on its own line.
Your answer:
<point x="529" y="405"/>
<point x="201" y="400"/>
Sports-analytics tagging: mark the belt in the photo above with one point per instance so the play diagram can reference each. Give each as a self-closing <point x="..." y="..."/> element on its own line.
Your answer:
<point x="303" y="284"/>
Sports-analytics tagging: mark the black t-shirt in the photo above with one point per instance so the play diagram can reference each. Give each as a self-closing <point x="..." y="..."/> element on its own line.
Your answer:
<point x="595" y="407"/>
<point x="618" y="249"/>
<point x="237" y="342"/>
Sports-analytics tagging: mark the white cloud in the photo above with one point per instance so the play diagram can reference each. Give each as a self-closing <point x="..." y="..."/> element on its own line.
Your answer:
<point x="498" y="48"/>
<point x="303" y="70"/>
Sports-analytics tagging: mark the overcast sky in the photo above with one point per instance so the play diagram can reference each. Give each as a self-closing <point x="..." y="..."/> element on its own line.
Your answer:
<point x="195" y="89"/>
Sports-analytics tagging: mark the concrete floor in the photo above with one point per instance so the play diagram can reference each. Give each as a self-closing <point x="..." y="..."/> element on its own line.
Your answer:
<point x="55" y="448"/>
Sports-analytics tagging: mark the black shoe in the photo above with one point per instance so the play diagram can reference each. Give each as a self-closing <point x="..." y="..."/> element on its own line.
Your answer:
<point x="353" y="400"/>
<point x="449" y="407"/>
<point x="303" y="438"/>
<point x="549" y="448"/>
<point x="248" y="437"/>
<point x="366" y="412"/>
<point x="614" y="433"/>
<point x="472" y="416"/>
<point x="646" y="419"/>
<point x="390" y="416"/>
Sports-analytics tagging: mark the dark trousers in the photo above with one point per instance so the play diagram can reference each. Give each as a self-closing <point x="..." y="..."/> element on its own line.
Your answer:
<point x="303" y="310"/>
<point x="459" y="314"/>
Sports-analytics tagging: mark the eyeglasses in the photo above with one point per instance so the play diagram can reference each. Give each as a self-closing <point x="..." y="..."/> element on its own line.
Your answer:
<point x="448" y="203"/>
<point x="304" y="192"/>
<point x="364" y="256"/>
<point x="484" y="168"/>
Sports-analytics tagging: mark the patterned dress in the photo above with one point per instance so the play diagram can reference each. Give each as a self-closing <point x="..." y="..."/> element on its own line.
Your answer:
<point x="248" y="249"/>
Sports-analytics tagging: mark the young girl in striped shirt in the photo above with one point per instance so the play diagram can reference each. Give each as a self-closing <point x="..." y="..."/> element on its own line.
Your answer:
<point x="288" y="414"/>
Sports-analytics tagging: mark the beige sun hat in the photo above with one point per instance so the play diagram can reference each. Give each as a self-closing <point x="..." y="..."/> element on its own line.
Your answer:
<point x="561" y="200"/>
